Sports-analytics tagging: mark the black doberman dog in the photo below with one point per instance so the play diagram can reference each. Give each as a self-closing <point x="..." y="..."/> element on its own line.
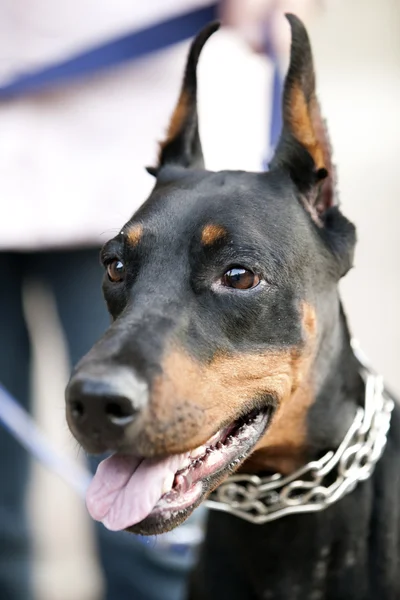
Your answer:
<point x="229" y="350"/>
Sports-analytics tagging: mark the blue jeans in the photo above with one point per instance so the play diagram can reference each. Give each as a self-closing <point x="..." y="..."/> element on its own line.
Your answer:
<point x="132" y="569"/>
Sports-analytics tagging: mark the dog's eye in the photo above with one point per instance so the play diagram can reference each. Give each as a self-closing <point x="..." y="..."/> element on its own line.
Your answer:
<point x="116" y="271"/>
<point x="240" y="279"/>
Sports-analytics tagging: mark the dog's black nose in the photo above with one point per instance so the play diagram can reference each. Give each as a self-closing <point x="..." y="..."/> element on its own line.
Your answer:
<point x="101" y="404"/>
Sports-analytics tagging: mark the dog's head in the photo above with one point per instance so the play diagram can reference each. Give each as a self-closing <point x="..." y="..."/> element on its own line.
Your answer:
<point x="218" y="289"/>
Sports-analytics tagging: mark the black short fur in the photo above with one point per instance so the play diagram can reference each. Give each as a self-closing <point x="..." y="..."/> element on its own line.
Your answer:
<point x="286" y="226"/>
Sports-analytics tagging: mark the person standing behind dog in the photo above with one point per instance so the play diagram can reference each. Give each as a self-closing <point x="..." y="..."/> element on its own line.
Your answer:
<point x="71" y="168"/>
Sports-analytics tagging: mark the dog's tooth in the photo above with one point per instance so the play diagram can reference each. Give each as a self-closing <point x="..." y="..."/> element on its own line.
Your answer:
<point x="197" y="452"/>
<point x="214" y="439"/>
<point x="168" y="483"/>
<point x="185" y="462"/>
<point x="179" y="481"/>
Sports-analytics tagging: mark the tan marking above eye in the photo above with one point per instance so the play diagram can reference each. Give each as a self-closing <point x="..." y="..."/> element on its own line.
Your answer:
<point x="212" y="233"/>
<point x="134" y="234"/>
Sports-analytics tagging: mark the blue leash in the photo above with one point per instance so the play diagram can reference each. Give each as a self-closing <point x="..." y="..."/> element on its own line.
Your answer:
<point x="17" y="421"/>
<point x="276" y="99"/>
<point x="115" y="52"/>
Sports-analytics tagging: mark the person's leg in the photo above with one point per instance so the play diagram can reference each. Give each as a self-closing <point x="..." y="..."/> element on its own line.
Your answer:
<point x="132" y="569"/>
<point x="15" y="576"/>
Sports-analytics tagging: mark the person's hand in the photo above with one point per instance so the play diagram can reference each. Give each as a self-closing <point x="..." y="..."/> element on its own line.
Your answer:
<point x="252" y="19"/>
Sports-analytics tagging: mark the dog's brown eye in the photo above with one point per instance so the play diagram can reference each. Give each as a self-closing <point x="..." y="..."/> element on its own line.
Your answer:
<point x="116" y="271"/>
<point x="240" y="279"/>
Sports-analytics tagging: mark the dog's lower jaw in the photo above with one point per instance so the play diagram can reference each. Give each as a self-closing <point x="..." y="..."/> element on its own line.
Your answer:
<point x="194" y="484"/>
<point x="157" y="524"/>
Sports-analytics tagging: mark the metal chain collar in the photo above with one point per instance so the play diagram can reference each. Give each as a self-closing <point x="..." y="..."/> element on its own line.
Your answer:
<point x="262" y="499"/>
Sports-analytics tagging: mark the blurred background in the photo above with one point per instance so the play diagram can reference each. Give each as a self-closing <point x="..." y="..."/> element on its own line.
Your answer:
<point x="86" y="143"/>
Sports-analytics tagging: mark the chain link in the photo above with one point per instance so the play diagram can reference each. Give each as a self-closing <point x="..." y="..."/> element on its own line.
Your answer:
<point x="262" y="499"/>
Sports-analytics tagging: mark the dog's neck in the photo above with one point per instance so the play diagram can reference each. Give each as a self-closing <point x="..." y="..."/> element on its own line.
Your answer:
<point x="315" y="419"/>
<point x="339" y="388"/>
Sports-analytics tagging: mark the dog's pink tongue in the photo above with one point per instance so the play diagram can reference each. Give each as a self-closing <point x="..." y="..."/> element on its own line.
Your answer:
<point x="125" y="489"/>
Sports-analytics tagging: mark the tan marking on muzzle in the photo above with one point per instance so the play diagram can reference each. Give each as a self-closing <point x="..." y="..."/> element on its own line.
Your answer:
<point x="283" y="448"/>
<point x="190" y="401"/>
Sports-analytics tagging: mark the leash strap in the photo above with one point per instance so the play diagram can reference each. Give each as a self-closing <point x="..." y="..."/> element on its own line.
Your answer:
<point x="131" y="46"/>
<point x="276" y="94"/>
<point x="276" y="114"/>
<point x="21" y="425"/>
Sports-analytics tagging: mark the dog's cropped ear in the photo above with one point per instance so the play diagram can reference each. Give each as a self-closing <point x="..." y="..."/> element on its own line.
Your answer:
<point x="304" y="148"/>
<point x="182" y="145"/>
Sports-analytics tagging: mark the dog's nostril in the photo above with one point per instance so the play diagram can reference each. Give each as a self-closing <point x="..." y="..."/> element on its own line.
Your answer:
<point x="119" y="413"/>
<point x="77" y="409"/>
<point x="115" y="410"/>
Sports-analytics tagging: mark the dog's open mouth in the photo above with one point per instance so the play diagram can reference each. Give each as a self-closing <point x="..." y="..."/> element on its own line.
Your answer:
<point x="128" y="489"/>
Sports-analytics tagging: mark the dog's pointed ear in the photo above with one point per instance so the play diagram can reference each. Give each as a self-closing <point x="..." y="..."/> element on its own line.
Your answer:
<point x="182" y="144"/>
<point x="304" y="148"/>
